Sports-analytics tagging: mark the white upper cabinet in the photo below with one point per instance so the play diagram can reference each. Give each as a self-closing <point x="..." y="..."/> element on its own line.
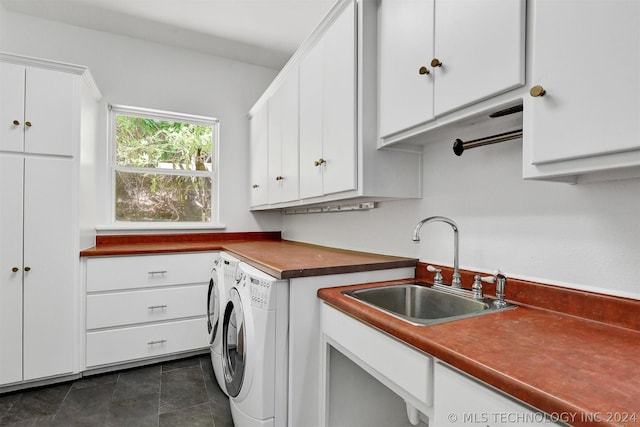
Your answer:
<point x="406" y="50"/>
<point x="36" y="110"/>
<point x="338" y="155"/>
<point x="583" y="113"/>
<point x="437" y="56"/>
<point x="481" y="46"/>
<point x="259" y="125"/>
<point x="283" y="141"/>
<point x="328" y="111"/>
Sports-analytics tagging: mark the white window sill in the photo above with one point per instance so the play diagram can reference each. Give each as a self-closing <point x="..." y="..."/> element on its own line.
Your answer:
<point x="149" y="228"/>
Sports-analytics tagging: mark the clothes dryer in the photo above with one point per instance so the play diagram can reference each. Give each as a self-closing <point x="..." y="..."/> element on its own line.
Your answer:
<point x="223" y="276"/>
<point x="255" y="348"/>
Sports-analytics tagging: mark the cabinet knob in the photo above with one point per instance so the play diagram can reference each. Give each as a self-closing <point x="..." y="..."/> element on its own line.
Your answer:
<point x="435" y="62"/>
<point x="16" y="122"/>
<point x="255" y="186"/>
<point x="319" y="162"/>
<point x="537" y="91"/>
<point x="27" y="269"/>
<point x="279" y="178"/>
<point x="15" y="269"/>
<point x="423" y="71"/>
<point x="27" y="124"/>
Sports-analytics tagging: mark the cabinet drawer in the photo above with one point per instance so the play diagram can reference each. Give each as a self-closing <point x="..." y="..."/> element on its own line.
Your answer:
<point x="462" y="401"/>
<point x="140" y="342"/>
<point x="407" y="368"/>
<point x="152" y="305"/>
<point x="104" y="274"/>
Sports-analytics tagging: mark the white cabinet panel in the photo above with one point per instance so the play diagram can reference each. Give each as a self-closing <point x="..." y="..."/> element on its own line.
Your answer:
<point x="11" y="193"/>
<point x="339" y="104"/>
<point x="462" y="401"/>
<point x="259" y="150"/>
<point x="38" y="110"/>
<point x="481" y="47"/>
<point x="51" y="109"/>
<point x="125" y="308"/>
<point x="117" y="345"/>
<point x="283" y="141"/>
<point x="37" y="299"/>
<point x="591" y="80"/>
<point x="50" y="283"/>
<point x="406" y="45"/>
<point x="12" y="84"/>
<point x="113" y="273"/>
<point x="311" y="88"/>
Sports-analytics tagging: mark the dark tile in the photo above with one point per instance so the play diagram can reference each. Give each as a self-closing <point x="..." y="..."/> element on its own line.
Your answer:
<point x="85" y="407"/>
<point x="181" y="388"/>
<point x="140" y="411"/>
<point x="36" y="403"/>
<point x="138" y="382"/>
<point x="180" y="363"/>
<point x="194" y="416"/>
<point x="94" y="380"/>
<point x="7" y="401"/>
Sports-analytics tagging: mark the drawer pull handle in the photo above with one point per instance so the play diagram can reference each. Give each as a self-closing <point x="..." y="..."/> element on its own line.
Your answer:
<point x="153" y="273"/>
<point x="156" y="342"/>
<point x="153" y="307"/>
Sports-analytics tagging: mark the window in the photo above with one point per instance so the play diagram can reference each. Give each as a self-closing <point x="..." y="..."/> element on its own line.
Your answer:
<point x="163" y="167"/>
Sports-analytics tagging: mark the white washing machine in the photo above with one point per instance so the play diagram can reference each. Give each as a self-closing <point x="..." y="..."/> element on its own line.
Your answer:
<point x="223" y="276"/>
<point x="254" y="349"/>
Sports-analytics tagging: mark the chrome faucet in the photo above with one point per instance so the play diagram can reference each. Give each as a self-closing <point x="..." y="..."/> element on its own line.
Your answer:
<point x="455" y="282"/>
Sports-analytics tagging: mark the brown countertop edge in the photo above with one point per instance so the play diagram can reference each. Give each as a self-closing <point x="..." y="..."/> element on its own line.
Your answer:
<point x="561" y="364"/>
<point x="282" y="259"/>
<point x="140" y="244"/>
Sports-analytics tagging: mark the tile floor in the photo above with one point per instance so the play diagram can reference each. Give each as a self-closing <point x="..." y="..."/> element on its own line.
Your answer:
<point x="177" y="393"/>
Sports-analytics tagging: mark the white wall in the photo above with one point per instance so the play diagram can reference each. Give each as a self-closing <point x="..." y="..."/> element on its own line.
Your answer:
<point x="585" y="236"/>
<point x="134" y="72"/>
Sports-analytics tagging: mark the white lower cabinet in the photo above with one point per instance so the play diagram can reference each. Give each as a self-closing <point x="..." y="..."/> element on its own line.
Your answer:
<point x="142" y="307"/>
<point x="372" y="379"/>
<point x="463" y="401"/>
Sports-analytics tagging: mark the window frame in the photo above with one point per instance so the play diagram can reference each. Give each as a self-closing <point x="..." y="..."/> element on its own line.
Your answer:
<point x="114" y="110"/>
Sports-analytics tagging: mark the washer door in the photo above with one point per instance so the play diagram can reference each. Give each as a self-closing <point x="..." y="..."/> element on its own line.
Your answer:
<point x="213" y="307"/>
<point x="234" y="344"/>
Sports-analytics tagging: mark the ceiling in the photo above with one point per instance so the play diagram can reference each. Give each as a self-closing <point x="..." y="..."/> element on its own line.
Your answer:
<point x="262" y="32"/>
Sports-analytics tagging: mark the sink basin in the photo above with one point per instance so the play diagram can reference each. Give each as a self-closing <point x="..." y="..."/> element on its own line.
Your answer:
<point x="422" y="305"/>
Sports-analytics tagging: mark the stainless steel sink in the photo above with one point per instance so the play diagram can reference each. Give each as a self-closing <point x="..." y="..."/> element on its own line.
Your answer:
<point x="423" y="305"/>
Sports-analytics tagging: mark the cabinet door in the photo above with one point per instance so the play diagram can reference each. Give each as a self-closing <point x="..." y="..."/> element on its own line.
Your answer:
<point x="406" y="45"/>
<point x="591" y="79"/>
<point x="339" y="104"/>
<point x="51" y="257"/>
<point x="283" y="141"/>
<point x="11" y="172"/>
<point x="311" y="91"/>
<point x="462" y="401"/>
<point x="481" y="47"/>
<point x="259" y="141"/>
<point x="11" y="107"/>
<point x="51" y="112"/>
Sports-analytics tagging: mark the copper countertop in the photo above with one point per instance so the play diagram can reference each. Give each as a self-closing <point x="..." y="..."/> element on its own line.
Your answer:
<point x="282" y="259"/>
<point x="563" y="365"/>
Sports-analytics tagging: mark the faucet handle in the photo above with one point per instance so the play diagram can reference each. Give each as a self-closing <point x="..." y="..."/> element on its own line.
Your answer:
<point x="437" y="278"/>
<point x="501" y="282"/>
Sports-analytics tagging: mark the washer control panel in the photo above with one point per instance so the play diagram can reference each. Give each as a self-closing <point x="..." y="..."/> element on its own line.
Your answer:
<point x="260" y="293"/>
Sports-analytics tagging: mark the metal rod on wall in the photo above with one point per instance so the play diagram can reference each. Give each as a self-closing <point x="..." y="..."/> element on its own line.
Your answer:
<point x="459" y="146"/>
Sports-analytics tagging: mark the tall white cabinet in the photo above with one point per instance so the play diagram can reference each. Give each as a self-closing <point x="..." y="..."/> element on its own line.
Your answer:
<point x="47" y="113"/>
